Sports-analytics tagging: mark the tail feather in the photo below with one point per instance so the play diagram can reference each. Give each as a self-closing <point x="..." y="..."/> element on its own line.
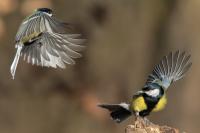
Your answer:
<point x="118" y="112"/>
<point x="15" y="61"/>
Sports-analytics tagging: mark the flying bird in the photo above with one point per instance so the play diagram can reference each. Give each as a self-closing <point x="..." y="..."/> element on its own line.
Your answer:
<point x="45" y="41"/>
<point x="152" y="96"/>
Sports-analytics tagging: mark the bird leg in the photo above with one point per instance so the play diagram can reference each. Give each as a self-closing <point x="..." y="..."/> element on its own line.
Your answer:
<point x="142" y="121"/>
<point x="139" y="121"/>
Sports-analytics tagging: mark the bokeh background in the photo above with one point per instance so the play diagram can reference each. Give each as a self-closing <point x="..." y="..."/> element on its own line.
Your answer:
<point x="126" y="38"/>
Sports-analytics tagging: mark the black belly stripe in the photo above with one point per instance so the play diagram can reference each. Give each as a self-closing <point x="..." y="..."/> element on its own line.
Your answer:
<point x="151" y="103"/>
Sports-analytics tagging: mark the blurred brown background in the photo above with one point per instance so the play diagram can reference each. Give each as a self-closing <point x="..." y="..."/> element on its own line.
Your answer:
<point x="126" y="38"/>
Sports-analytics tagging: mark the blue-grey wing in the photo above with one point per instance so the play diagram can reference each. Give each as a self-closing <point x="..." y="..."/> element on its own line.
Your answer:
<point x="32" y="24"/>
<point x="171" y="68"/>
<point x="41" y="22"/>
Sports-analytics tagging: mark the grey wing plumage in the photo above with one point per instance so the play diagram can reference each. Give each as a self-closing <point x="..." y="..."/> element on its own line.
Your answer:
<point x="40" y="22"/>
<point x="59" y="26"/>
<point x="53" y="49"/>
<point x="32" y="24"/>
<point x="171" y="68"/>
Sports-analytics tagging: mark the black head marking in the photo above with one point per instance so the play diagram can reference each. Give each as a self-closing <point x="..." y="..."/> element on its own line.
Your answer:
<point x="46" y="10"/>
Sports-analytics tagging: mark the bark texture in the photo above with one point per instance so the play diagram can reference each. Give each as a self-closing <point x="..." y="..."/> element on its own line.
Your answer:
<point x="141" y="126"/>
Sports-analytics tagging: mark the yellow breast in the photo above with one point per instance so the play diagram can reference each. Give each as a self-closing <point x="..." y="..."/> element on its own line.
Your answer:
<point x="139" y="104"/>
<point x="161" y="104"/>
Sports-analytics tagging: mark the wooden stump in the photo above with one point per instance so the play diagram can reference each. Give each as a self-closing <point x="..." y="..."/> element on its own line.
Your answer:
<point x="140" y="126"/>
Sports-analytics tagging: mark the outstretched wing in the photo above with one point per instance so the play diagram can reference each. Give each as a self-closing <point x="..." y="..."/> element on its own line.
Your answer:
<point x="53" y="49"/>
<point x="118" y="112"/>
<point x="39" y="22"/>
<point x="171" y="68"/>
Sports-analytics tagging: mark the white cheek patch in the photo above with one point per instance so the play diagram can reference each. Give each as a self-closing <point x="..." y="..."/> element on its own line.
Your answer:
<point x="153" y="93"/>
<point x="49" y="14"/>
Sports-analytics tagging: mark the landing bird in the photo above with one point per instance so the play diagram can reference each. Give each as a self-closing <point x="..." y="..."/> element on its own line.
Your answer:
<point x="43" y="40"/>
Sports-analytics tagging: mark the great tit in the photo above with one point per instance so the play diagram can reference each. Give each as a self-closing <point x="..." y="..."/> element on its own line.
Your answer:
<point x="43" y="40"/>
<point x="152" y="97"/>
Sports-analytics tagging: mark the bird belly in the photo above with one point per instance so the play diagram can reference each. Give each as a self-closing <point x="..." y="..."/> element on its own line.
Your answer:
<point x="139" y="104"/>
<point x="161" y="104"/>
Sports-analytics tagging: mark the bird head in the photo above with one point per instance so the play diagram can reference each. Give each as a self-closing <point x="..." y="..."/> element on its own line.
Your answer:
<point x="45" y="10"/>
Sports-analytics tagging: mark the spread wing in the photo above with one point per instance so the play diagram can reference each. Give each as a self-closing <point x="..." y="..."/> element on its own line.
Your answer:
<point x="53" y="49"/>
<point x="171" y="68"/>
<point x="40" y="22"/>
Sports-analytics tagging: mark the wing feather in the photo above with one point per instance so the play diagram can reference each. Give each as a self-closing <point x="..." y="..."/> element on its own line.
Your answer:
<point x="171" y="68"/>
<point x="39" y="22"/>
<point x="51" y="50"/>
